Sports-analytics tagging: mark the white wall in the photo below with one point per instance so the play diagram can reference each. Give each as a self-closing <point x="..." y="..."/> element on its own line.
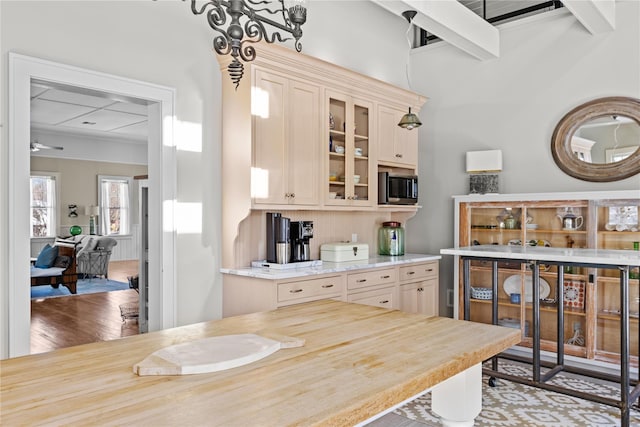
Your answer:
<point x="164" y="43"/>
<point x="547" y="66"/>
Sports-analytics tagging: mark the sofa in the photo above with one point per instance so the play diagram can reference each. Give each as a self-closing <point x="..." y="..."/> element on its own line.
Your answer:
<point x="55" y="266"/>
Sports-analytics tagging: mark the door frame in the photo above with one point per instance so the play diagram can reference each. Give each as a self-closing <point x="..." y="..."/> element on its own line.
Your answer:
<point x="162" y="168"/>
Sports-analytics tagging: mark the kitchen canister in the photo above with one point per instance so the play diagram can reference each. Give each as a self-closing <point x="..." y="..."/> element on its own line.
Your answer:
<point x="391" y="239"/>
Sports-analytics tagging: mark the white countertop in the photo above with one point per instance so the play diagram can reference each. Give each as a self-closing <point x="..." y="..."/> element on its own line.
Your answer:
<point x="539" y="253"/>
<point x="329" y="267"/>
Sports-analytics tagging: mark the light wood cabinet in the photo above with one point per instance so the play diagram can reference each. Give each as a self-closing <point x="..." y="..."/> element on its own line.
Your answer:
<point x="396" y="146"/>
<point x="419" y="288"/>
<point x="607" y="220"/>
<point x="276" y="158"/>
<point x="242" y="294"/>
<point x="297" y="291"/>
<point x="385" y="297"/>
<point x="420" y="297"/>
<point x="349" y="170"/>
<point x="411" y="287"/>
<point x="286" y="146"/>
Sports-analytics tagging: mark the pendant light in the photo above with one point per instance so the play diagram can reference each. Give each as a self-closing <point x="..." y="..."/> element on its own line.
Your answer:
<point x="409" y="120"/>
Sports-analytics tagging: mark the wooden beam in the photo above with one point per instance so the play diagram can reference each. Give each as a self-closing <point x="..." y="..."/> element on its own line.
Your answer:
<point x="453" y="23"/>
<point x="597" y="16"/>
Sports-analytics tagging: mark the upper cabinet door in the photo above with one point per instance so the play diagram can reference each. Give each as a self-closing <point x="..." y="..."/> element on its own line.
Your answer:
<point x="269" y="182"/>
<point x="304" y="143"/>
<point x="286" y="141"/>
<point x="395" y="144"/>
<point x="349" y="171"/>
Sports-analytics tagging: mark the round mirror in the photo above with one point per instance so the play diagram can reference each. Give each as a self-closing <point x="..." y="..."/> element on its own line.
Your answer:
<point x="600" y="140"/>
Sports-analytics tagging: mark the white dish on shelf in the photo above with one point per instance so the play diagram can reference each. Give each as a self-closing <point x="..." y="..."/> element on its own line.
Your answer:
<point x="481" y="293"/>
<point x="511" y="285"/>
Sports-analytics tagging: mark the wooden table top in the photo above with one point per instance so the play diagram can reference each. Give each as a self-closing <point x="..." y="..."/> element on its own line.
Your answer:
<point x="357" y="361"/>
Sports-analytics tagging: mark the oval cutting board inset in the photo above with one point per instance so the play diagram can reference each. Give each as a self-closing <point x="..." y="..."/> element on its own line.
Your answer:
<point x="211" y="354"/>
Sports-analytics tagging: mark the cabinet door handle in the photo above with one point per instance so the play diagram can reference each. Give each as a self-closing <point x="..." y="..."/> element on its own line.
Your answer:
<point x="385" y="277"/>
<point x="295" y="291"/>
<point x="420" y="289"/>
<point x="429" y="269"/>
<point x="409" y="273"/>
<point x="361" y="280"/>
<point x="327" y="286"/>
<point x="384" y="301"/>
<point x="292" y="195"/>
<point x="399" y="156"/>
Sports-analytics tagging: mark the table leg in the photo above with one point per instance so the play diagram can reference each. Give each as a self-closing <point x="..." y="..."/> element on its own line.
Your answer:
<point x="458" y="400"/>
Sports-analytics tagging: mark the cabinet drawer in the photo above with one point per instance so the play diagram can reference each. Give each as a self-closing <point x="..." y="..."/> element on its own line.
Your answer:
<point x="325" y="287"/>
<point x="419" y="271"/>
<point x="372" y="278"/>
<point x="385" y="298"/>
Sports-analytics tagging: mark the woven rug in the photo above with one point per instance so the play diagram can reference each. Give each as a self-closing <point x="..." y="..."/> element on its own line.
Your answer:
<point x="84" y="286"/>
<point x="512" y="404"/>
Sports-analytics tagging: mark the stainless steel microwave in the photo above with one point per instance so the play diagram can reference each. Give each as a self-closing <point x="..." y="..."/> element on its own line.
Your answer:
<point x="395" y="189"/>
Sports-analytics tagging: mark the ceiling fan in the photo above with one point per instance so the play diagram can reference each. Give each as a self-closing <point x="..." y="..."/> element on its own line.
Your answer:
<point x="36" y="146"/>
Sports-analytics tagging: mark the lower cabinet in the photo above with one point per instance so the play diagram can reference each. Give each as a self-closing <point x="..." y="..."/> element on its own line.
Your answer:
<point x="379" y="297"/>
<point x="419" y="288"/>
<point x="420" y="297"/>
<point x="408" y="287"/>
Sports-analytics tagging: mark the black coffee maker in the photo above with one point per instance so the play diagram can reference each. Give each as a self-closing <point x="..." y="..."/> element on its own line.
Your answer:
<point x="278" y="240"/>
<point x="301" y="232"/>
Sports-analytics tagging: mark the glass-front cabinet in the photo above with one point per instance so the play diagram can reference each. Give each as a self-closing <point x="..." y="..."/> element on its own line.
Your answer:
<point x="616" y="228"/>
<point x="591" y="296"/>
<point x="349" y="169"/>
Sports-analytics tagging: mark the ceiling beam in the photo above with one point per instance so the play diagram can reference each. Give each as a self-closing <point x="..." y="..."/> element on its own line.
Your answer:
<point x="453" y="23"/>
<point x="597" y="16"/>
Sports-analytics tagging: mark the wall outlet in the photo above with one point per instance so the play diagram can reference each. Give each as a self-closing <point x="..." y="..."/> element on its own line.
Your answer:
<point x="354" y="237"/>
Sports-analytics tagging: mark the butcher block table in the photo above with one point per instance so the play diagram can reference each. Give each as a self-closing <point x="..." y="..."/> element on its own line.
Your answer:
<point x="357" y="361"/>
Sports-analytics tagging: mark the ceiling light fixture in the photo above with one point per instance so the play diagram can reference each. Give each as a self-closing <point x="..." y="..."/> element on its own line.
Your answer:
<point x="232" y="41"/>
<point x="409" y="120"/>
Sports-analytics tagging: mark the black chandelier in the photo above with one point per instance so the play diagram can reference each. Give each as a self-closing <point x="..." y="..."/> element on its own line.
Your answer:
<point x="231" y="40"/>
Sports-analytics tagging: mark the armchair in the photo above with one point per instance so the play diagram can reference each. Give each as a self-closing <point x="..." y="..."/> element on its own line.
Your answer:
<point x="94" y="254"/>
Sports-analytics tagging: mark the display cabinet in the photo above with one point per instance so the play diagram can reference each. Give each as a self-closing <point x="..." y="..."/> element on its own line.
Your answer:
<point x="349" y="167"/>
<point x="607" y="220"/>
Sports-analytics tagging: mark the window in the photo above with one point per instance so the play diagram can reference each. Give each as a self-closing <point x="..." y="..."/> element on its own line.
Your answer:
<point x="44" y="204"/>
<point x="115" y="203"/>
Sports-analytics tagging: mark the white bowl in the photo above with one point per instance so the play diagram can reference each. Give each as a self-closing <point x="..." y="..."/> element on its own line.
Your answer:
<point x="356" y="179"/>
<point x="332" y="194"/>
<point x="358" y="151"/>
<point x="339" y="149"/>
<point x="481" y="293"/>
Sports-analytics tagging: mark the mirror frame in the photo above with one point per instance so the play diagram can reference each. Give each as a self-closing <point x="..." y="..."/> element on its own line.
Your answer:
<point x="596" y="172"/>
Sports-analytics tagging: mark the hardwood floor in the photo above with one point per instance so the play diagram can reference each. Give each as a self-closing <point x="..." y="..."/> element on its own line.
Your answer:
<point x="80" y="319"/>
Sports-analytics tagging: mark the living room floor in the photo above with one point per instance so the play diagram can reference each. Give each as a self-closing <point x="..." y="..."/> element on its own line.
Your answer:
<point x="80" y="319"/>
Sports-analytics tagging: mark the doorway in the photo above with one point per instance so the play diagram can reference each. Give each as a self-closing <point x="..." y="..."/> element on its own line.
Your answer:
<point x="162" y="186"/>
<point x="80" y="135"/>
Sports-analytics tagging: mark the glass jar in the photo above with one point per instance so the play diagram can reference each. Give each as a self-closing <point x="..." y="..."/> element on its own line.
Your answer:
<point x="634" y="272"/>
<point x="391" y="239"/>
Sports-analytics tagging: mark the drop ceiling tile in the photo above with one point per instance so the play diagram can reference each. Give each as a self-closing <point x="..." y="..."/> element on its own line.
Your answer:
<point x="51" y="113"/>
<point x="76" y="98"/>
<point x="37" y="89"/>
<point x="126" y="107"/>
<point x="137" y="129"/>
<point x="102" y="120"/>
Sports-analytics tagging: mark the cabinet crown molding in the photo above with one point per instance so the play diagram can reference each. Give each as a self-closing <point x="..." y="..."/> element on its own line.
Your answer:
<point x="298" y="65"/>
